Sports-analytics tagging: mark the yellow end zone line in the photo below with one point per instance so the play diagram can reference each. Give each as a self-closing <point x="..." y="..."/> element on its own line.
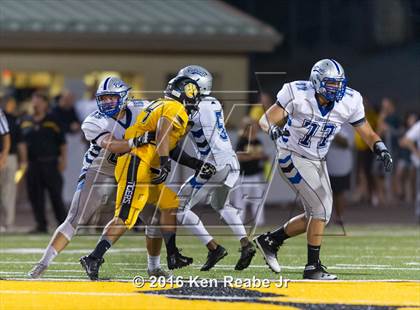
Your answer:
<point x="396" y="293"/>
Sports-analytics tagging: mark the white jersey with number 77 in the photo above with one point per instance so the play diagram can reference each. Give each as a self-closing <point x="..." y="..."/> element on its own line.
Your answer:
<point x="312" y="127"/>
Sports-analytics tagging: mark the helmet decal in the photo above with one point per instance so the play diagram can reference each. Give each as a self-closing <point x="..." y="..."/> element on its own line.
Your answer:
<point x="190" y="90"/>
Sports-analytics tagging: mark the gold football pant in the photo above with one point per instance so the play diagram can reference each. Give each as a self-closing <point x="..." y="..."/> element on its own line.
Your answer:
<point x="135" y="190"/>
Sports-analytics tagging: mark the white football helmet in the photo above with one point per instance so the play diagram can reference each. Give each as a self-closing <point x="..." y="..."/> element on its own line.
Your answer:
<point x="201" y="75"/>
<point x="112" y="86"/>
<point x="328" y="79"/>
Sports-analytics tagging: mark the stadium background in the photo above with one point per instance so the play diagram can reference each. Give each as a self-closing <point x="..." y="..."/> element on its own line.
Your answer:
<point x="251" y="47"/>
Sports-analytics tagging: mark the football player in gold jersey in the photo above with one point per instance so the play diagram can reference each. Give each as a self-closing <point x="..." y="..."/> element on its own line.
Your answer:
<point x="140" y="174"/>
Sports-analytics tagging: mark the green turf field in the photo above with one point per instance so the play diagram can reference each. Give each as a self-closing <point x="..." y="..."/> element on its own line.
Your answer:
<point x="364" y="253"/>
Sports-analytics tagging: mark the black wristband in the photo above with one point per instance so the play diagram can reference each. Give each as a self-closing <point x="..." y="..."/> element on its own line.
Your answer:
<point x="163" y="160"/>
<point x="379" y="147"/>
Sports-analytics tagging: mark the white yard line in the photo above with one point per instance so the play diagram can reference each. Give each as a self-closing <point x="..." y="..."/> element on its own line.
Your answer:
<point x="78" y="251"/>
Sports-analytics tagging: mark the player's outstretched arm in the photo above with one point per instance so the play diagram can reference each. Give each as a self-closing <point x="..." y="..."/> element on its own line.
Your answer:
<point x="272" y="121"/>
<point x="118" y="146"/>
<point x="205" y="170"/>
<point x="375" y="143"/>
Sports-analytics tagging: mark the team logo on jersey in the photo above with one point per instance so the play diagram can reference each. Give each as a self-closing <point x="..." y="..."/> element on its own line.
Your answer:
<point x="190" y="90"/>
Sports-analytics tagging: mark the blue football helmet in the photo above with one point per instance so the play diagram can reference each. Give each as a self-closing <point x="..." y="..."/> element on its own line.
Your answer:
<point x="112" y="86"/>
<point x="328" y="79"/>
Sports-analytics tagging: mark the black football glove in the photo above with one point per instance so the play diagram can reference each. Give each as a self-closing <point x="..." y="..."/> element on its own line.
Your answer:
<point x="276" y="132"/>
<point x="165" y="169"/>
<point x="206" y="171"/>
<point x="383" y="154"/>
<point x="146" y="138"/>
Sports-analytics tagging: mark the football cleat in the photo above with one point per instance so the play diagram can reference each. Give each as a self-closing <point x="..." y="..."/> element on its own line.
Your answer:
<point x="317" y="272"/>
<point x="247" y="253"/>
<point x="269" y="248"/>
<point x="177" y="260"/>
<point x="158" y="272"/>
<point x="213" y="257"/>
<point x="91" y="266"/>
<point x="37" y="271"/>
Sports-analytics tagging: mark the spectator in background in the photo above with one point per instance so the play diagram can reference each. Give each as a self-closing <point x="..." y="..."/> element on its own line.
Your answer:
<point x="84" y="107"/>
<point x="251" y="157"/>
<point x="4" y="154"/>
<point x="388" y="129"/>
<point x="257" y="110"/>
<point x="340" y="165"/>
<point x="17" y="159"/>
<point x="405" y="174"/>
<point x="365" y="157"/>
<point x="65" y="113"/>
<point x="47" y="159"/>
<point x="5" y="140"/>
<point x="411" y="141"/>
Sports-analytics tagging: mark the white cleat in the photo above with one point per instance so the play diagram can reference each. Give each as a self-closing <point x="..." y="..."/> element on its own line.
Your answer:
<point x="37" y="271"/>
<point x="158" y="272"/>
<point x="268" y="248"/>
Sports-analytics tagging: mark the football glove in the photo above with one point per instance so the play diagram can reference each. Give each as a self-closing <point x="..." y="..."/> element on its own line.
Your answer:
<point x="165" y="169"/>
<point x="276" y="132"/>
<point x="206" y="171"/>
<point x="383" y="154"/>
<point x="146" y="138"/>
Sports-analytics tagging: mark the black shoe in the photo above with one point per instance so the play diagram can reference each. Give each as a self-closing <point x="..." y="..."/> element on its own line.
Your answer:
<point x="213" y="257"/>
<point x="176" y="260"/>
<point x="247" y="253"/>
<point x="269" y="248"/>
<point x="317" y="272"/>
<point x="91" y="266"/>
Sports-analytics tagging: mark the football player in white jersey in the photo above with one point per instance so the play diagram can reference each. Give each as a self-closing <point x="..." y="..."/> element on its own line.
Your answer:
<point x="303" y="122"/>
<point x="104" y="129"/>
<point x="213" y="147"/>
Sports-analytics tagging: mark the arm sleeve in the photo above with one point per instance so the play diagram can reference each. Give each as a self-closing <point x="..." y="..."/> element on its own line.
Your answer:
<point x="184" y="158"/>
<point x="358" y="116"/>
<point x="4" y="125"/>
<point x="285" y="98"/>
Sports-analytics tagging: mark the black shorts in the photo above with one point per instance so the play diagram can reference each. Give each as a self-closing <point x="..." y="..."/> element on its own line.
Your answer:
<point x="340" y="184"/>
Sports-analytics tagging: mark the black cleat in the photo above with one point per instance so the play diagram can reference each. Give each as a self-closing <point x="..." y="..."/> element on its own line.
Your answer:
<point x="91" y="266"/>
<point x="176" y="260"/>
<point x="213" y="257"/>
<point x="317" y="272"/>
<point x="247" y="253"/>
<point x="269" y="248"/>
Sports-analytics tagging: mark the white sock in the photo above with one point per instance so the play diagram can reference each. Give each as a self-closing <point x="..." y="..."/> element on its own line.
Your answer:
<point x="49" y="254"/>
<point x="194" y="225"/>
<point x="233" y="219"/>
<point x="153" y="262"/>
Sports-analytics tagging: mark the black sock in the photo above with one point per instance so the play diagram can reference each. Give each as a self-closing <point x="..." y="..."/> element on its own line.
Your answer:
<point x="313" y="254"/>
<point x="279" y="235"/>
<point x="100" y="249"/>
<point x="169" y="237"/>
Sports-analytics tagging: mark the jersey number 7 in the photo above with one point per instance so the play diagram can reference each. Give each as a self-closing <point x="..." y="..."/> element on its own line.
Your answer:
<point x="327" y="129"/>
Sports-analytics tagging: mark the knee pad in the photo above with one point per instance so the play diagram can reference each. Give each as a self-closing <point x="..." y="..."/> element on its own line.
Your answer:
<point x="153" y="232"/>
<point x="67" y="230"/>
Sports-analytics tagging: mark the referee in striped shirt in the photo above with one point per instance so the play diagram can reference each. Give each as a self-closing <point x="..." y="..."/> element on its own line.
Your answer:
<point x="5" y="140"/>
